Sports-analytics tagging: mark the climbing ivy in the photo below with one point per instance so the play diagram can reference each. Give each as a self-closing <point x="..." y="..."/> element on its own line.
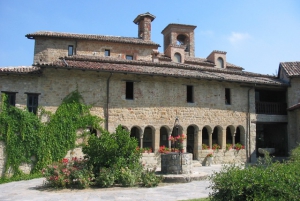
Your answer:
<point x="28" y="139"/>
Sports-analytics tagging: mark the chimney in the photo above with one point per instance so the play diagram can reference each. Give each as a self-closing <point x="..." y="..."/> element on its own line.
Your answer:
<point x="144" y="25"/>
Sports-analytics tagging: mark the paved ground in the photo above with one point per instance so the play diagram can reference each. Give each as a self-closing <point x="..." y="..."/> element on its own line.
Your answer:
<point x="29" y="190"/>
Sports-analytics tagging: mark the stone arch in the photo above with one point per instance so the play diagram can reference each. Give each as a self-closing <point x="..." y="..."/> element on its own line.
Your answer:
<point x="176" y="132"/>
<point x="217" y="135"/>
<point x="182" y="39"/>
<point x="220" y="62"/>
<point x="230" y="131"/>
<point x="136" y="132"/>
<point x="164" y="136"/>
<point x="148" y="137"/>
<point x="124" y="127"/>
<point x="177" y="57"/>
<point x="240" y="136"/>
<point x="206" y="131"/>
<point x="192" y="140"/>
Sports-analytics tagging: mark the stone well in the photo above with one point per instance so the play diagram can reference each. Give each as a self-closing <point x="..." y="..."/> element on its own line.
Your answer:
<point x="176" y="163"/>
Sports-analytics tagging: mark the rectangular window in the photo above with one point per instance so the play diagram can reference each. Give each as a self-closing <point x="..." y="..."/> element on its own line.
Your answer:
<point x="129" y="90"/>
<point x="11" y="98"/>
<point x="227" y="96"/>
<point x="32" y="102"/>
<point x="107" y="53"/>
<point x="70" y="50"/>
<point x="189" y="93"/>
<point x="129" y="57"/>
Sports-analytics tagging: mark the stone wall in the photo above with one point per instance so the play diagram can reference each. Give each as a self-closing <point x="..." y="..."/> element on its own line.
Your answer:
<point x="49" y="50"/>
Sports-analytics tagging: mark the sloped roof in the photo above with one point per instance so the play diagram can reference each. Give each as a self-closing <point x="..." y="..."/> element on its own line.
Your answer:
<point x="106" y="64"/>
<point x="21" y="70"/>
<point x="292" y="69"/>
<point x="117" y="39"/>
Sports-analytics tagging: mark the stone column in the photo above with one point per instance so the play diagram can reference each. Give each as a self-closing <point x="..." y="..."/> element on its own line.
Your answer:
<point x="155" y="140"/>
<point x="233" y="139"/>
<point x="141" y="138"/>
<point x="210" y="139"/>
<point x="170" y="133"/>
<point x="184" y="143"/>
<point x="197" y="143"/>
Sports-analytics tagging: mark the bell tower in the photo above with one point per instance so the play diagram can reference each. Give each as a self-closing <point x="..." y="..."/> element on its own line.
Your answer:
<point x="179" y="40"/>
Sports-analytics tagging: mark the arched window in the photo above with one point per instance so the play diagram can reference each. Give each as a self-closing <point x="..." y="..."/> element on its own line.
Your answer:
<point x="181" y="39"/>
<point x="177" y="57"/>
<point x="220" y="63"/>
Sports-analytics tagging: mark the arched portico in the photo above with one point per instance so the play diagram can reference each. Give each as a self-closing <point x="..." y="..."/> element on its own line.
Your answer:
<point x="192" y="141"/>
<point x="136" y="132"/>
<point x="217" y="135"/>
<point x="164" y="136"/>
<point x="149" y="137"/>
<point x="206" y="136"/>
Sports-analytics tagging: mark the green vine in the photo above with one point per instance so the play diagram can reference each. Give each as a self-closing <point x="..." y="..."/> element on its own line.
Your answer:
<point x="28" y="139"/>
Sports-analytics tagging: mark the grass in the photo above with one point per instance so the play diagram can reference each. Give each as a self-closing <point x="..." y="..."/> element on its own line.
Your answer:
<point x="198" y="199"/>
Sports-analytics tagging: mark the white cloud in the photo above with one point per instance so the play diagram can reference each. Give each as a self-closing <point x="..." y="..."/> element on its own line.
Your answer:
<point x="236" y="38"/>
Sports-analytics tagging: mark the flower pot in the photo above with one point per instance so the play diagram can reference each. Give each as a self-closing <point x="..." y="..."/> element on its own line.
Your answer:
<point x="209" y="161"/>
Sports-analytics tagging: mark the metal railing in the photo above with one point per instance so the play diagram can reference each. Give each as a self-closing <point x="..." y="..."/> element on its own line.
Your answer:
<point x="270" y="108"/>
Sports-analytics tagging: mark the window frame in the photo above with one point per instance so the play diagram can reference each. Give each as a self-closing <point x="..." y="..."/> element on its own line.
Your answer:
<point x="107" y="52"/>
<point x="177" y="57"/>
<point x="129" y="57"/>
<point x="227" y="96"/>
<point x="129" y="90"/>
<point x="189" y="93"/>
<point x="10" y="95"/>
<point x="33" y="106"/>
<point x="70" y="50"/>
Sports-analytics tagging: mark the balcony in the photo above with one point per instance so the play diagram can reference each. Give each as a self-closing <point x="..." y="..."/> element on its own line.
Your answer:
<point x="270" y="108"/>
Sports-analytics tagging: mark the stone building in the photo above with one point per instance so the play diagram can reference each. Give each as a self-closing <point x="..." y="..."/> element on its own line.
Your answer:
<point x="129" y="82"/>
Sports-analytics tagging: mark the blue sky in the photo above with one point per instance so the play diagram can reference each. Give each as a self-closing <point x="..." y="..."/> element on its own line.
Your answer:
<point x="256" y="34"/>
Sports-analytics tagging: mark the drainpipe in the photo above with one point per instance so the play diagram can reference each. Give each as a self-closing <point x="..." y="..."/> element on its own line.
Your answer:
<point x="107" y="101"/>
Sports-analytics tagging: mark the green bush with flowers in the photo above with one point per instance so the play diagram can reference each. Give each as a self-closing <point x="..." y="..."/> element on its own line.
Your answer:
<point x="68" y="174"/>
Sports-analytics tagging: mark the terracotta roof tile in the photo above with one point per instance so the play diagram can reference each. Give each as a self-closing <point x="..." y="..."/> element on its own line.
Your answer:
<point x="118" y="39"/>
<point x="164" y="69"/>
<point x="21" y="70"/>
<point x="291" y="68"/>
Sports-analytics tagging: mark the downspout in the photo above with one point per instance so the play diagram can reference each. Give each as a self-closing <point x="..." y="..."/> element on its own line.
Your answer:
<point x="107" y="101"/>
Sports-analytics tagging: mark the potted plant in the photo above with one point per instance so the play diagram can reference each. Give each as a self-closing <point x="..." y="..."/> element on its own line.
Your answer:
<point x="228" y="147"/>
<point x="205" y="147"/>
<point x="163" y="150"/>
<point x="239" y="146"/>
<point x="209" y="159"/>
<point x="216" y="147"/>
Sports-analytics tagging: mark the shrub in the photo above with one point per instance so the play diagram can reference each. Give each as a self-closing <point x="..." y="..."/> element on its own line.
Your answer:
<point x="150" y="179"/>
<point x="106" y="178"/>
<point x="68" y="174"/>
<point x="112" y="150"/>
<point x="264" y="181"/>
<point x="128" y="177"/>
